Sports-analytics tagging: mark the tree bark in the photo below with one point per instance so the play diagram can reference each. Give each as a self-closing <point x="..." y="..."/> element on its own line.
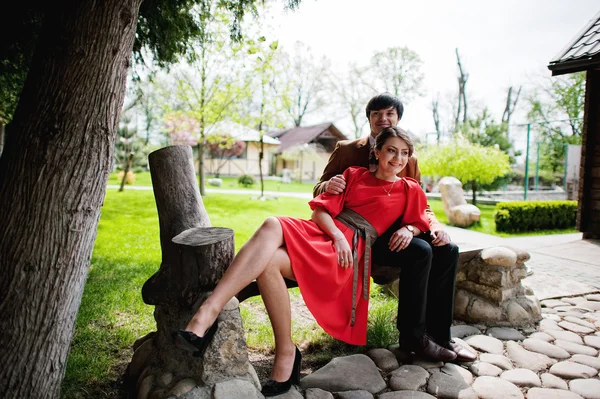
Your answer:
<point x="53" y="173"/>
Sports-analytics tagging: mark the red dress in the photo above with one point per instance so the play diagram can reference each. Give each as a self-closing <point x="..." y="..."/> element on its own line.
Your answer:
<point x="325" y="286"/>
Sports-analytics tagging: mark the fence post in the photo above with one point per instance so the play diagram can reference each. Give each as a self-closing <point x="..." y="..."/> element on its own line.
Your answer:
<point x="527" y="164"/>
<point x="537" y="167"/>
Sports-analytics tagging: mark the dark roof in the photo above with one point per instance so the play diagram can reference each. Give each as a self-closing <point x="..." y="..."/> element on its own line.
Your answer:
<point x="582" y="53"/>
<point x="307" y="134"/>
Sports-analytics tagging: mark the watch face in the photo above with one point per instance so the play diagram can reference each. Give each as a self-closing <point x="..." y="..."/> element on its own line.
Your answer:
<point x="410" y="228"/>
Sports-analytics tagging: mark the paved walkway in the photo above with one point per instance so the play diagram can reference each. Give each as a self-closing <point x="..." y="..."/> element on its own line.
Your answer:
<point x="563" y="264"/>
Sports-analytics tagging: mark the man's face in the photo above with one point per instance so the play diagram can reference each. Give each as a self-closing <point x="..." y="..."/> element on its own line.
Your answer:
<point x="382" y="118"/>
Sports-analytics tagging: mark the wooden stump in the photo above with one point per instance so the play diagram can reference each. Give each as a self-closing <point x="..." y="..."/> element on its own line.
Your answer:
<point x="180" y="208"/>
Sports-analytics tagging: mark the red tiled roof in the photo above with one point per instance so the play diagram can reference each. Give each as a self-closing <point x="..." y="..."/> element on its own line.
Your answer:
<point x="582" y="53"/>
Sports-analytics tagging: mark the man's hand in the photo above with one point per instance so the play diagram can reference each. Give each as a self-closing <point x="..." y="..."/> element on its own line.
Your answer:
<point x="400" y="239"/>
<point x="440" y="238"/>
<point x="336" y="185"/>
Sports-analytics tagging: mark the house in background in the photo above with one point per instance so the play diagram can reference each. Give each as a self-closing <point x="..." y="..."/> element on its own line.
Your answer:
<point x="305" y="150"/>
<point x="247" y="162"/>
<point x="582" y="53"/>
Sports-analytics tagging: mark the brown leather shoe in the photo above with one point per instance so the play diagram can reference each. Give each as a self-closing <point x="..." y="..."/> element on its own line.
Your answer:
<point x="462" y="353"/>
<point x="426" y="347"/>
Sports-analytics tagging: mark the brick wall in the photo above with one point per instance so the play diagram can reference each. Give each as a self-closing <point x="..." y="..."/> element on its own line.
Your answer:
<point x="588" y="215"/>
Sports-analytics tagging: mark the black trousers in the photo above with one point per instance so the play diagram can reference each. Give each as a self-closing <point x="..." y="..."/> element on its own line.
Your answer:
<point x="426" y="292"/>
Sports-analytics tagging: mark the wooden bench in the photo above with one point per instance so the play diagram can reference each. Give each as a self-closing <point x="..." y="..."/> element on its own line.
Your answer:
<point x="381" y="275"/>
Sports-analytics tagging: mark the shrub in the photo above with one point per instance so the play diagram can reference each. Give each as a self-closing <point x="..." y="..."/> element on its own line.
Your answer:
<point x="535" y="215"/>
<point x="245" y="180"/>
<point x="130" y="179"/>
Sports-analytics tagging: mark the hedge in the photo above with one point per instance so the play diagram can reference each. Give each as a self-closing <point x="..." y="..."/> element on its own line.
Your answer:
<point x="535" y="215"/>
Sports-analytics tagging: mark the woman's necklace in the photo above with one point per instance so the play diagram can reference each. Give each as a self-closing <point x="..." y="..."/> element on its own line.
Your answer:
<point x="389" y="192"/>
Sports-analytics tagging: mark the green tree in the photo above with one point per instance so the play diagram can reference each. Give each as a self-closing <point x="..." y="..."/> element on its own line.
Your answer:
<point x="472" y="164"/>
<point x="57" y="156"/>
<point x="396" y="70"/>
<point x="560" y="98"/>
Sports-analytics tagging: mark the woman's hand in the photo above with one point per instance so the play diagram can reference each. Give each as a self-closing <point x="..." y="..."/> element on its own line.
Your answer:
<point x="345" y="259"/>
<point x="400" y="239"/>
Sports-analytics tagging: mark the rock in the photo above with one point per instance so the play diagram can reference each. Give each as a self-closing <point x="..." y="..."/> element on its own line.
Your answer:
<point x="576" y="328"/>
<point x="505" y="333"/>
<point x="545" y="348"/>
<point x="522" y="255"/>
<point x="457" y="371"/>
<point x="550" y="314"/>
<point x="592" y="340"/>
<point x="384" y="359"/>
<point x="316" y="393"/>
<point x="588" y="388"/>
<point x="141" y="357"/>
<point x="573" y="301"/>
<point x="591" y="361"/>
<point x="542" y="336"/>
<point x="545" y="393"/>
<point x="463" y="330"/>
<point x="522" y="378"/>
<point x="552" y="303"/>
<point x="552" y="381"/>
<point x="497" y="360"/>
<point x="215" y="182"/>
<point x="443" y="385"/>
<point x="593" y="297"/>
<point x="408" y="378"/>
<point x="571" y="370"/>
<point x="354" y="395"/>
<point x="456" y="208"/>
<point x="566" y="336"/>
<point x="138" y="342"/>
<point x="355" y="372"/>
<point x="574" y="348"/>
<point x="549" y="325"/>
<point x="494" y="387"/>
<point x="499" y="256"/>
<point x="589" y="305"/>
<point x="427" y="363"/>
<point x="182" y="387"/>
<point x="405" y="395"/>
<point x="523" y="358"/>
<point x="483" y="368"/>
<point x="241" y="389"/>
<point x="145" y="387"/>
<point x="486" y="344"/>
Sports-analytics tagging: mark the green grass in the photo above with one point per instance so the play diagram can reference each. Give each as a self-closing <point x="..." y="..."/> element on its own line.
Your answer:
<point x="229" y="183"/>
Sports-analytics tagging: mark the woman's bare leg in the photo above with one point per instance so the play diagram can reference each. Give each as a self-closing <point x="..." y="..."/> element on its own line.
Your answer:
<point x="277" y="301"/>
<point x="249" y="263"/>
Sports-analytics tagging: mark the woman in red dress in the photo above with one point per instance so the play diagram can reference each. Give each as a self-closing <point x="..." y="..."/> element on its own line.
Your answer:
<point x="318" y="254"/>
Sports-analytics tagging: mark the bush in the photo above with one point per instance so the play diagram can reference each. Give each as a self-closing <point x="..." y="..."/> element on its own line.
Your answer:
<point x="245" y="180"/>
<point x="130" y="177"/>
<point x="535" y="215"/>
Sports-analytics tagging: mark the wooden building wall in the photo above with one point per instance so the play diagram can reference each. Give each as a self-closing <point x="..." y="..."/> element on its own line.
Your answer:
<point x="588" y="215"/>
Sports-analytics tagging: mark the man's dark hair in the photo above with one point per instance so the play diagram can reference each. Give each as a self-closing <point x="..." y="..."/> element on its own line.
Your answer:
<point x="385" y="101"/>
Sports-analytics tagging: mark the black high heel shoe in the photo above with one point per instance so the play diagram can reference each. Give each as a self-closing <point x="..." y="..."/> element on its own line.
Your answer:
<point x="192" y="343"/>
<point x="274" y="388"/>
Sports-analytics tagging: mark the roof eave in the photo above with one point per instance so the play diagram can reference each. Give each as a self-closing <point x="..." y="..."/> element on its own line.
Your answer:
<point x="572" y="66"/>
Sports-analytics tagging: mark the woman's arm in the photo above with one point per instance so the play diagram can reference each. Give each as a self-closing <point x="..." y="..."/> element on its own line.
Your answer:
<point x="325" y="222"/>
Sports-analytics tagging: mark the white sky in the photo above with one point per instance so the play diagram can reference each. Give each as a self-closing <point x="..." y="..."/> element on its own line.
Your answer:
<point x="501" y="43"/>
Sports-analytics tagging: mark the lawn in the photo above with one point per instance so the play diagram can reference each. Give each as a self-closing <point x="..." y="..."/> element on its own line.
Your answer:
<point x="229" y="183"/>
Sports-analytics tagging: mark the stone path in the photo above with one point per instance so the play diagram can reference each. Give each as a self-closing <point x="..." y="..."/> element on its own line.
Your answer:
<point x="559" y="359"/>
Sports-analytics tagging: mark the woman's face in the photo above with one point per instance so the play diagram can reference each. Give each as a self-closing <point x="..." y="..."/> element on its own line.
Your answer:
<point x="393" y="156"/>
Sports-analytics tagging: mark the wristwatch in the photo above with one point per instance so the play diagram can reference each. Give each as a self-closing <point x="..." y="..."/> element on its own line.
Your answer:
<point x="410" y="228"/>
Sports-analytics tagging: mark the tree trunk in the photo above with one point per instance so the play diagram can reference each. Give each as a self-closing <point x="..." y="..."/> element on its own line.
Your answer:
<point x="53" y="173"/>
<point x="474" y="195"/>
<point x="1" y="137"/>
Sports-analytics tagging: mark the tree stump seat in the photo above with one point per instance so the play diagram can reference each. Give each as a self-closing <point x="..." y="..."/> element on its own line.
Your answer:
<point x="381" y="275"/>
